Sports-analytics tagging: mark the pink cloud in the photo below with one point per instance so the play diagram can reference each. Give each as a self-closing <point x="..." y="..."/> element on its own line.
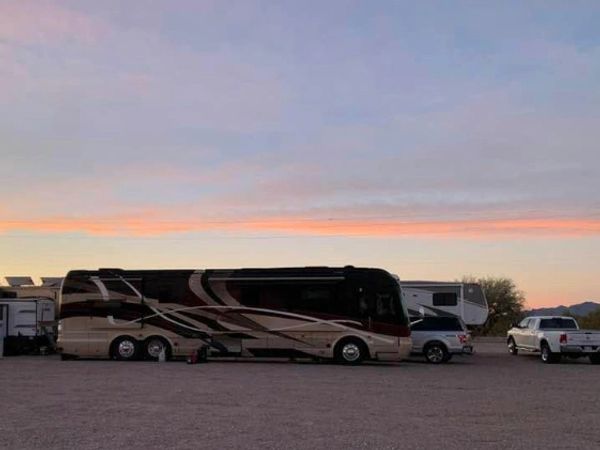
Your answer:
<point x="42" y="22"/>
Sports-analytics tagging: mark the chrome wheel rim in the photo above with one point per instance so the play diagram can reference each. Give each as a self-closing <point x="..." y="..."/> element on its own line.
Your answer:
<point x="511" y="346"/>
<point x="545" y="354"/>
<point x="155" y="347"/>
<point x="350" y="352"/>
<point x="126" y="349"/>
<point x="435" y="354"/>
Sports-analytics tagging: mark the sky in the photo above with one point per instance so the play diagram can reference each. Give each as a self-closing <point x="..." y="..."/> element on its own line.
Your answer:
<point x="433" y="139"/>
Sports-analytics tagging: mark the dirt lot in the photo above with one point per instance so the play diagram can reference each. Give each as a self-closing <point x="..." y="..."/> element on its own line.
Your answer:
<point x="490" y="400"/>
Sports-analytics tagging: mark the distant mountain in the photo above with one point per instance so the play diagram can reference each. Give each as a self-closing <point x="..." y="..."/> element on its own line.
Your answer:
<point x="580" y="309"/>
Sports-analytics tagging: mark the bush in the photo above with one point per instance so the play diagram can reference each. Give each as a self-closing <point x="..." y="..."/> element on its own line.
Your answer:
<point x="505" y="303"/>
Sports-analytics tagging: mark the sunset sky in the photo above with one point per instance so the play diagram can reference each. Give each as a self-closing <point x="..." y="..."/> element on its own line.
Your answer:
<point x="432" y="139"/>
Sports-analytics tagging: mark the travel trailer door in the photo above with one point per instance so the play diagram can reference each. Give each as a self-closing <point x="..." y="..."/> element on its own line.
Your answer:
<point x="3" y="327"/>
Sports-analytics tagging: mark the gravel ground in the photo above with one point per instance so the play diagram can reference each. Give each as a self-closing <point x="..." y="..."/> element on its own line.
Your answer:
<point x="490" y="400"/>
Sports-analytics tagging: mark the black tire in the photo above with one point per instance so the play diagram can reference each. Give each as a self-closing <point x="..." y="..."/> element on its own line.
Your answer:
<point x="436" y="353"/>
<point x="125" y="348"/>
<point x="153" y="346"/>
<point x="595" y="358"/>
<point x="547" y="356"/>
<point x="351" y="351"/>
<point x="67" y="357"/>
<point x="512" y="347"/>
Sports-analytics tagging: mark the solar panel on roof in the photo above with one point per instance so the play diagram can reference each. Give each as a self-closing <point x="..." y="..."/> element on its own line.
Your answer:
<point x="19" y="281"/>
<point x="51" y="281"/>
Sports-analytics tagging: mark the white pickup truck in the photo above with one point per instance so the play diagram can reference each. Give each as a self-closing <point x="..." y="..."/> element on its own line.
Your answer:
<point x="554" y="337"/>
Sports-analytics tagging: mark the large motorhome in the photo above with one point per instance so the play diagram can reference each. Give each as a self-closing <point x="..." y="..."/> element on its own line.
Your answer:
<point x="454" y="299"/>
<point x="348" y="314"/>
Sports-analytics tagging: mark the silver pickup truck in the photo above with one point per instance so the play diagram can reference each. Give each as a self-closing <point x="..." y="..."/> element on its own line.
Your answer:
<point x="554" y="337"/>
<point x="439" y="338"/>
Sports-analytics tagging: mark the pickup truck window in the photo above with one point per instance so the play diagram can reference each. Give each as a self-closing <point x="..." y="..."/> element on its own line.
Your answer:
<point x="524" y="323"/>
<point x="558" y="323"/>
<point x="437" y="324"/>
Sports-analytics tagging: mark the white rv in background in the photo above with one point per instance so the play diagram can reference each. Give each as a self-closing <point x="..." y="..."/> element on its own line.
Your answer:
<point x="453" y="299"/>
<point x="26" y="325"/>
<point x="27" y="314"/>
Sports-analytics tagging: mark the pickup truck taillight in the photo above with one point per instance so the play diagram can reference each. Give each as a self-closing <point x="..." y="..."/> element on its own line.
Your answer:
<point x="563" y="338"/>
<point x="463" y="338"/>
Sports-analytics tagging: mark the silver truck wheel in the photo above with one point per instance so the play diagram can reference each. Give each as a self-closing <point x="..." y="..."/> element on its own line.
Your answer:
<point x="547" y="356"/>
<point x="436" y="353"/>
<point x="512" y="347"/>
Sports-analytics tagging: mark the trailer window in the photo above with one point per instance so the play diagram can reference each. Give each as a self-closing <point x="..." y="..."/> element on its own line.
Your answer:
<point x="445" y="299"/>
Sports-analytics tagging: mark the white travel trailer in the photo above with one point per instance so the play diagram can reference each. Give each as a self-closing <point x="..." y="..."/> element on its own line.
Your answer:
<point x="454" y="299"/>
<point x="26" y="324"/>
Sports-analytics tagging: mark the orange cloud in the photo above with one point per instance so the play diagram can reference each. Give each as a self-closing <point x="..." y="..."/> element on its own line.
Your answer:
<point x="149" y="224"/>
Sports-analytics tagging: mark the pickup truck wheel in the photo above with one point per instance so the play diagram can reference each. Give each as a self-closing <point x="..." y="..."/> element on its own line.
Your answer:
<point x="548" y="356"/>
<point x="512" y="347"/>
<point x="436" y="353"/>
<point x="595" y="358"/>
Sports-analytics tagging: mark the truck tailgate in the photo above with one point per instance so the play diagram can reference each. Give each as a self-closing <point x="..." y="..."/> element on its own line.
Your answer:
<point x="583" y="337"/>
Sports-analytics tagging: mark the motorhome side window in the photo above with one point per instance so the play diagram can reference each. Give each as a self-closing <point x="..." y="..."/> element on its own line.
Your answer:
<point x="445" y="299"/>
<point x="165" y="289"/>
<point x="102" y="308"/>
<point x="122" y="288"/>
<point x="285" y="296"/>
<point x="316" y="298"/>
<point x="249" y="296"/>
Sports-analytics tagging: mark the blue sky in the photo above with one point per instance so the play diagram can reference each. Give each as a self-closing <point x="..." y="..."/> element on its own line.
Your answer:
<point x="460" y="135"/>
